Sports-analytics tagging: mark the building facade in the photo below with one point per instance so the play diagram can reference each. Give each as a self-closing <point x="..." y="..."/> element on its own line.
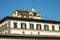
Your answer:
<point x="29" y="23"/>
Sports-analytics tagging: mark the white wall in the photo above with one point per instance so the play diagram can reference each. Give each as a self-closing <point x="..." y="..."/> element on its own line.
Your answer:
<point x="27" y="24"/>
<point x="28" y="30"/>
<point x="34" y="32"/>
<point x="3" y="24"/>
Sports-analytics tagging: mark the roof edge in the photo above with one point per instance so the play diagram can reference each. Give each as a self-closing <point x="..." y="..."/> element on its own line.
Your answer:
<point x="26" y="19"/>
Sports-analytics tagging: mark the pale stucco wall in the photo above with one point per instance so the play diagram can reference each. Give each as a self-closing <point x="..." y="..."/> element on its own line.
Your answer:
<point x="35" y="32"/>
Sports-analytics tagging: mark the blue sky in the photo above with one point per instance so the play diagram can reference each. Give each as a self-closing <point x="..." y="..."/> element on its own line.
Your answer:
<point x="49" y="9"/>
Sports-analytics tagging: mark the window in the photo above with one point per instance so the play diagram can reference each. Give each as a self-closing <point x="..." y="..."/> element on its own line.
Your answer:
<point x="5" y="25"/>
<point x="23" y="25"/>
<point x="59" y="28"/>
<point x="46" y="27"/>
<point x="0" y="28"/>
<point x="38" y="26"/>
<point x="15" y="24"/>
<point x="31" y="26"/>
<point x="34" y="14"/>
<point x="53" y="28"/>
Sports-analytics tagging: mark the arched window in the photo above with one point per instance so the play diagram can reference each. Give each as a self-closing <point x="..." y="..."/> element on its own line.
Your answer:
<point x="46" y="27"/>
<point x="0" y="28"/>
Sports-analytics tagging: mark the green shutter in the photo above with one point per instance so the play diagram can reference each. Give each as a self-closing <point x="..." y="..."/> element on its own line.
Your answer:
<point x="23" y="25"/>
<point x="38" y="26"/>
<point x="46" y="27"/>
<point x="53" y="28"/>
<point x="59" y="28"/>
<point x="31" y="26"/>
<point x="15" y="24"/>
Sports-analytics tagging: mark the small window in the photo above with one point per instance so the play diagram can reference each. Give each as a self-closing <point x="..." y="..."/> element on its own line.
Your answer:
<point x="59" y="28"/>
<point x="46" y="27"/>
<point x="0" y="28"/>
<point x="5" y="25"/>
<point x="31" y="26"/>
<point x="34" y="14"/>
<point x="15" y="24"/>
<point x="23" y="25"/>
<point x="53" y="28"/>
<point x="38" y="26"/>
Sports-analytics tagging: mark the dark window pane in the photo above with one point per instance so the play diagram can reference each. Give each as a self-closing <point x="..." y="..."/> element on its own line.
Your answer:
<point x="59" y="28"/>
<point x="0" y="29"/>
<point x="34" y="14"/>
<point x="38" y="26"/>
<point x="31" y="26"/>
<point x="46" y="27"/>
<point x="53" y="28"/>
<point x="5" y="25"/>
<point x="15" y="24"/>
<point x="23" y="25"/>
